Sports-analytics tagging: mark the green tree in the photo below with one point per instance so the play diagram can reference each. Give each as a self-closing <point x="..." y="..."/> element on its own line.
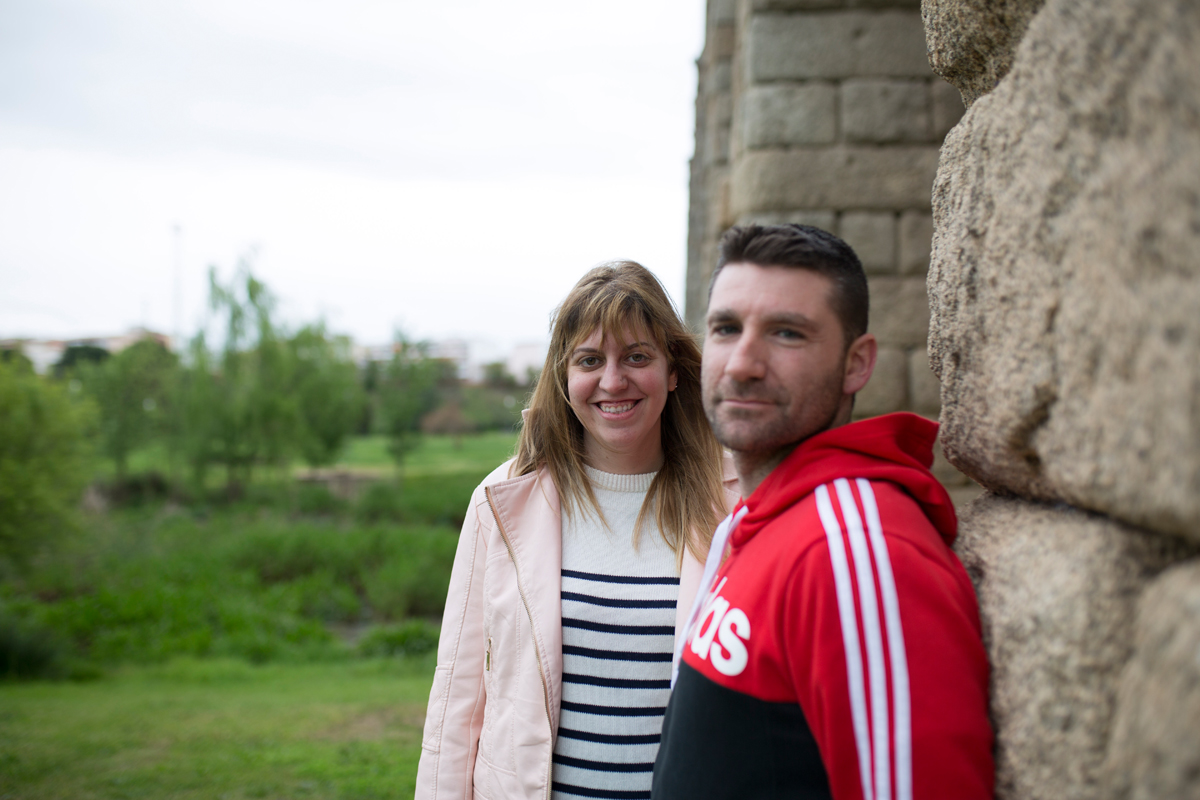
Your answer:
<point x="239" y="412"/>
<point x="327" y="391"/>
<point x="77" y="354"/>
<point x="408" y="390"/>
<point x="45" y="452"/>
<point x="133" y="392"/>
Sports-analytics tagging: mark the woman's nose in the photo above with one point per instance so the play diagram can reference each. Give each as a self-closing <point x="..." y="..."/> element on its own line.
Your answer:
<point x="613" y="380"/>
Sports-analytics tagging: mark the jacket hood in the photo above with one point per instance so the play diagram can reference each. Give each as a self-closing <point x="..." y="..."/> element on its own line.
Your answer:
<point x="893" y="447"/>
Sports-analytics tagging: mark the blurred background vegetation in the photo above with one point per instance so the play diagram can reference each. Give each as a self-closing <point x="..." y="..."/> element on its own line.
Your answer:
<point x="258" y="499"/>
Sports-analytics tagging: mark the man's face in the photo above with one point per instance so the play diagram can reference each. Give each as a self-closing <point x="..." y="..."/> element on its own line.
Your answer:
<point x="774" y="369"/>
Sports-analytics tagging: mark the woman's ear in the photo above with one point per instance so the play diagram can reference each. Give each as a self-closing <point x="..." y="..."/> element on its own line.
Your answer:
<point x="672" y="381"/>
<point x="860" y="363"/>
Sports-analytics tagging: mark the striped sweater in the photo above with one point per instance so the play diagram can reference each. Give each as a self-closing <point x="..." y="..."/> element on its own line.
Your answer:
<point x="618" y="614"/>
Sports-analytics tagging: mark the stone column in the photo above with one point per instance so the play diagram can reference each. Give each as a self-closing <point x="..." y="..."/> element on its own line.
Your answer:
<point x="1065" y="329"/>
<point x="826" y="112"/>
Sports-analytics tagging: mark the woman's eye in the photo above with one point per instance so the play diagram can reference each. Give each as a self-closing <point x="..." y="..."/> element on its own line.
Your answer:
<point x="589" y="361"/>
<point x="638" y="358"/>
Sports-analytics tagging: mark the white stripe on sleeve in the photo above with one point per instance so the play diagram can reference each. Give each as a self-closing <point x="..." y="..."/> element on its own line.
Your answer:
<point x="876" y="671"/>
<point x="846" y="612"/>
<point x="895" y="635"/>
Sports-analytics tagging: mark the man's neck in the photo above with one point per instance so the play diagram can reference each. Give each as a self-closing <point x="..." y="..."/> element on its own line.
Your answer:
<point x="753" y="466"/>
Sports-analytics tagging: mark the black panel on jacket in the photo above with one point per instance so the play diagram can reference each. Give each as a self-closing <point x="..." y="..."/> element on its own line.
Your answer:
<point x="718" y="743"/>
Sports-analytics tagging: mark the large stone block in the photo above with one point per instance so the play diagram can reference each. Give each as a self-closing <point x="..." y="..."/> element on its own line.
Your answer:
<point x="899" y="310"/>
<point x="836" y="44"/>
<point x="1065" y="276"/>
<point x="972" y="42"/>
<point x="865" y="178"/>
<point x="923" y="388"/>
<point x="1155" y="748"/>
<point x="887" y="391"/>
<point x="916" y="239"/>
<point x="947" y="108"/>
<point x="1057" y="593"/>
<point x="885" y="111"/>
<point x="825" y="220"/>
<point x="872" y="235"/>
<point x="784" y="114"/>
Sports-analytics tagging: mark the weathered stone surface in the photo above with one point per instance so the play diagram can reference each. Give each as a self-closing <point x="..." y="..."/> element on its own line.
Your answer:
<point x="838" y="44"/>
<point x="972" y="42"/>
<point x="783" y="114"/>
<point x="887" y="390"/>
<point x="1155" y="748"/>
<point x="899" y="313"/>
<point x="1065" y="276"/>
<point x="1057" y="595"/>
<point x="884" y="111"/>
<point x="872" y="235"/>
<point x="916" y="239"/>
<point x="869" y="178"/>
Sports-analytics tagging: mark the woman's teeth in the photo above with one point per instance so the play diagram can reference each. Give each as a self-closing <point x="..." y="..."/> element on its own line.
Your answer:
<point x="617" y="408"/>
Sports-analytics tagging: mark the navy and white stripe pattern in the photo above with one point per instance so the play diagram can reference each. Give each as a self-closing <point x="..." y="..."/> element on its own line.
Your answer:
<point x="618" y="615"/>
<point x="875" y="658"/>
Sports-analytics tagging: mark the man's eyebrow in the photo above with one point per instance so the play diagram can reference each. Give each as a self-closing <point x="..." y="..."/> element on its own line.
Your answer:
<point x="721" y="315"/>
<point x="797" y="319"/>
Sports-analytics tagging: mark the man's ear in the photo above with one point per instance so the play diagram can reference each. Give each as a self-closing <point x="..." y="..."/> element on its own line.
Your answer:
<point x="860" y="363"/>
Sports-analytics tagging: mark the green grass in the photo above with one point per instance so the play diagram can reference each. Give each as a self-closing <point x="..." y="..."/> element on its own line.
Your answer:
<point x="218" y="729"/>
<point x="434" y="455"/>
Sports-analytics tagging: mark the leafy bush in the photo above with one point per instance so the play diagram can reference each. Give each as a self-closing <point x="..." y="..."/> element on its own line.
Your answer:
<point x="413" y="638"/>
<point x="29" y="650"/>
<point x="44" y="460"/>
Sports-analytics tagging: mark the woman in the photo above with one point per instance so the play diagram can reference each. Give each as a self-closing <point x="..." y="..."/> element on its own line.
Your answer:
<point x="578" y="561"/>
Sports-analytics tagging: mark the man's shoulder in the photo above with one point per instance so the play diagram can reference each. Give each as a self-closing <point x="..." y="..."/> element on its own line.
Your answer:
<point x="843" y="506"/>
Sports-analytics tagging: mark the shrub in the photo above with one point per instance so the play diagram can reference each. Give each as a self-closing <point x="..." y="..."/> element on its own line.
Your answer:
<point x="44" y="460"/>
<point x="380" y="502"/>
<point x="29" y="650"/>
<point x="413" y="638"/>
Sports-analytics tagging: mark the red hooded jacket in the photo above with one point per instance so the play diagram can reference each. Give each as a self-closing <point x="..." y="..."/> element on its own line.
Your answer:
<point x="839" y="652"/>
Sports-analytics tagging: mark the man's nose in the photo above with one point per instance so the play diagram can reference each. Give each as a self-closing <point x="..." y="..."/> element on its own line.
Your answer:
<point x="746" y="360"/>
<point x="613" y="380"/>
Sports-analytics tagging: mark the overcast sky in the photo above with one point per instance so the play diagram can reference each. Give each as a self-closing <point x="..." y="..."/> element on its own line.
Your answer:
<point x="449" y="168"/>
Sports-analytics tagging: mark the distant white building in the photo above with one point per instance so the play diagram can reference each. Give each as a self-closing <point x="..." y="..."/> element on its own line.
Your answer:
<point x="45" y="353"/>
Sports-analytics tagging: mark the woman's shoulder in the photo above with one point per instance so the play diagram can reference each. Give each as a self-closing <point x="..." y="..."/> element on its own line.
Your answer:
<point x="502" y="476"/>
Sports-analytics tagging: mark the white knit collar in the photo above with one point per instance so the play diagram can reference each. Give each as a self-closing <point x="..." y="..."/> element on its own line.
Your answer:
<point x="619" y="483"/>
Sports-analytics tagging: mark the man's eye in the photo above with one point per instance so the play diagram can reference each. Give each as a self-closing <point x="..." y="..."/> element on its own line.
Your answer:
<point x="790" y="335"/>
<point x="724" y="330"/>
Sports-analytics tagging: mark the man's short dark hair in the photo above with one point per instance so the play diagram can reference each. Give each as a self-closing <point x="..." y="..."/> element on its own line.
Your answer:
<point x="805" y="247"/>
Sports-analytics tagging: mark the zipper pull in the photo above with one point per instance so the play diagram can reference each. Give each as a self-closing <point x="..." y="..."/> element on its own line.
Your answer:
<point x="487" y="657"/>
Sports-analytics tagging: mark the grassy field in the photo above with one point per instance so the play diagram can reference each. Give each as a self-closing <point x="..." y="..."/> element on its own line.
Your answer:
<point x="434" y="455"/>
<point x="218" y="729"/>
<point x="231" y="649"/>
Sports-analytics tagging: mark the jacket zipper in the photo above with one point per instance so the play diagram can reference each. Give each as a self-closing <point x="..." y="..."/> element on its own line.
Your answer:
<point x="532" y="629"/>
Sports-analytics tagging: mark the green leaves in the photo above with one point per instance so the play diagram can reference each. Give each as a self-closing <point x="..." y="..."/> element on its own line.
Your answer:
<point x="45" y="460"/>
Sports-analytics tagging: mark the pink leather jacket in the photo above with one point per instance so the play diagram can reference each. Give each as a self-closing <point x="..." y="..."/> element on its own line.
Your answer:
<point x="493" y="709"/>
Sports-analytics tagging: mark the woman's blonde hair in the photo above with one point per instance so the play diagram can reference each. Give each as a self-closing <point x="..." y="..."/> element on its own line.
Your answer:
<point x="686" y="496"/>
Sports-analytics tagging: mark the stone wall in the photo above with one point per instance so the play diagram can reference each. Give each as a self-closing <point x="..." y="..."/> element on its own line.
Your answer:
<point x="826" y="112"/>
<point x="1063" y="315"/>
<point x="1065" y="329"/>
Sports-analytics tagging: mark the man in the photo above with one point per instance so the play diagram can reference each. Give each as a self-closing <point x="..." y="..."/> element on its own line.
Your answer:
<point x="837" y="650"/>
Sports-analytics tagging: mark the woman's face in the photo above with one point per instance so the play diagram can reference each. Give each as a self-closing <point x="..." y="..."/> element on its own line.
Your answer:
<point x="618" y="389"/>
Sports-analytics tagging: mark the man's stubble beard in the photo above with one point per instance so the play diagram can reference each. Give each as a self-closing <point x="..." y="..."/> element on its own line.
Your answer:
<point x="779" y="433"/>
